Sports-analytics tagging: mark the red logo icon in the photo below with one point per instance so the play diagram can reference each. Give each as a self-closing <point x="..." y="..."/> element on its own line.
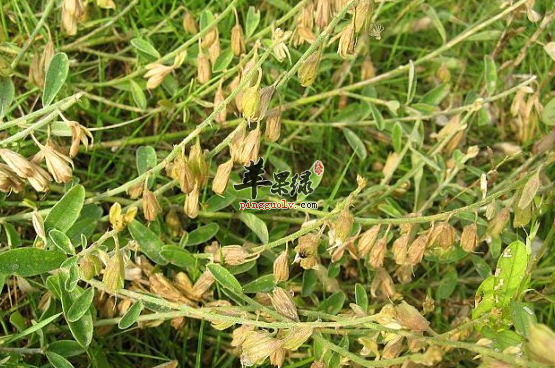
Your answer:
<point x="318" y="168"/>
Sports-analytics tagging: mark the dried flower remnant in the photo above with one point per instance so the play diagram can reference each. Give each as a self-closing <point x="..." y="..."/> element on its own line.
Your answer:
<point x="307" y="251"/>
<point x="541" y="344"/>
<point x="283" y="304"/>
<point x="203" y="67"/>
<point x="362" y="15"/>
<point x="250" y="100"/>
<point x="189" y="23"/>
<point x="251" y="146"/>
<point x="72" y="12"/>
<point x="281" y="51"/>
<point x="281" y="267"/>
<point x="309" y="69"/>
<point x="114" y="274"/>
<point x="273" y="125"/>
<point x="156" y="74"/>
<point x="469" y="237"/>
<point x="9" y="181"/>
<point x="237" y="38"/>
<point x="58" y="164"/>
<point x="258" y="346"/>
<point x="410" y="318"/>
<point x="191" y="207"/>
<point x="416" y="250"/>
<point x="222" y="177"/>
<point x="296" y="336"/>
<point x="377" y="253"/>
<point x="347" y="42"/>
<point x="151" y="207"/>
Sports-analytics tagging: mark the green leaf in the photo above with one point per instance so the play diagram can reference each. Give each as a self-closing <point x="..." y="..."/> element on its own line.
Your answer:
<point x="436" y="95"/>
<point x="55" y="77"/>
<point x="66" y="348"/>
<point x="150" y="243"/>
<point x="58" y="361"/>
<point x="27" y="262"/>
<point x="485" y="297"/>
<point x="432" y="14"/>
<point x="82" y="329"/>
<point x="202" y="234"/>
<point x="397" y="137"/>
<point x="131" y="316"/>
<point x="356" y="143"/>
<point x="223" y="61"/>
<point x="80" y="306"/>
<point x="7" y="93"/>
<point x="447" y="285"/>
<point x="490" y="74"/>
<point x="178" y="256"/>
<point x="206" y="18"/>
<point x="256" y="225"/>
<point x="64" y="213"/>
<point x="145" y="47"/>
<point x="310" y="281"/>
<point x="32" y="329"/>
<point x="333" y="304"/>
<point x="138" y="95"/>
<point x="378" y="117"/>
<point x="412" y="82"/>
<point x="216" y="202"/>
<point x="510" y="273"/>
<point x="263" y="284"/>
<point x="522" y="315"/>
<point x="481" y="266"/>
<point x="224" y="277"/>
<point x="61" y="241"/>
<point x="146" y="159"/>
<point x="548" y="114"/>
<point x="361" y="298"/>
<point x="253" y="18"/>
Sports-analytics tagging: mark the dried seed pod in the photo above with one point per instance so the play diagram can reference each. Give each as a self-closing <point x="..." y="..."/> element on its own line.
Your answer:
<point x="114" y="274"/>
<point x="151" y="207"/>
<point x="72" y="12"/>
<point x="277" y="357"/>
<point x="404" y="273"/>
<point x="251" y="146"/>
<point x="222" y="177"/>
<point x="469" y="237"/>
<point x="367" y="70"/>
<point x="323" y="13"/>
<point x="443" y="235"/>
<point x="443" y="73"/>
<point x="362" y="15"/>
<point x="79" y="134"/>
<point x="191" y="207"/>
<point x="283" y="303"/>
<point x="219" y="98"/>
<point x="210" y="37"/>
<point x="343" y="226"/>
<point x="156" y="74"/>
<point x="498" y="223"/>
<point x="309" y="69"/>
<point x="17" y="163"/>
<point x="203" y="67"/>
<point x="377" y="254"/>
<point x="410" y="318"/>
<point x="307" y="251"/>
<point x="384" y="283"/>
<point x="296" y="336"/>
<point x="58" y="164"/>
<point x="273" y="125"/>
<point x="197" y="163"/>
<point x="181" y="171"/>
<point x="250" y="100"/>
<point x="347" y="42"/>
<point x="367" y="240"/>
<point x="416" y="250"/>
<point x="189" y="23"/>
<point x="281" y="267"/>
<point x="38" y="225"/>
<point x="161" y="286"/>
<point x="237" y="143"/>
<point x="136" y="191"/>
<point x="393" y="348"/>
<point x="237" y="39"/>
<point x="215" y="49"/>
<point x="257" y="347"/>
<point x="266" y="94"/>
<point x="203" y="283"/>
<point x="529" y="191"/>
<point x="399" y="249"/>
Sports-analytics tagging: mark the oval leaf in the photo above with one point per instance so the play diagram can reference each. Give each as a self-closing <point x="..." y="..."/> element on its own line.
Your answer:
<point x="356" y="143"/>
<point x="178" y="256"/>
<point x="224" y="277"/>
<point x="263" y="284"/>
<point x="80" y="306"/>
<point x="58" y="361"/>
<point x="150" y="243"/>
<point x="145" y="47"/>
<point x="138" y="95"/>
<point x="256" y="225"/>
<point x="548" y="114"/>
<point x="7" y="93"/>
<point x="55" y="77"/>
<point x="253" y="18"/>
<point x="64" y="213"/>
<point x="61" y="241"/>
<point x="131" y="316"/>
<point x="30" y="261"/>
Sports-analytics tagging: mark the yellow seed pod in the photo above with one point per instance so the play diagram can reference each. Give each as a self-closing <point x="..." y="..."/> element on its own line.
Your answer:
<point x="114" y="274"/>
